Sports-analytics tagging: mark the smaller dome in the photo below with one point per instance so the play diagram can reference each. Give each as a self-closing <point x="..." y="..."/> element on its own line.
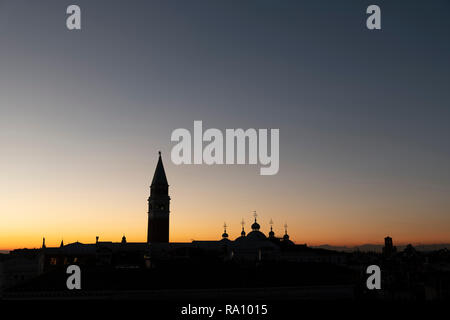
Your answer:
<point x="224" y="234"/>
<point x="286" y="236"/>
<point x="271" y="233"/>
<point x="255" y="226"/>
<point x="242" y="233"/>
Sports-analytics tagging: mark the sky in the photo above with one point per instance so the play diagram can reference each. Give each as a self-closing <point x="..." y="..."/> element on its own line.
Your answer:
<point x="363" y="118"/>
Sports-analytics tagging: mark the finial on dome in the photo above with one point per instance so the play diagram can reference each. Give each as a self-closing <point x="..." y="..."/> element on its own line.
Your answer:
<point x="271" y="233"/>
<point x="224" y="234"/>
<point x="243" y="231"/>
<point x="286" y="236"/>
<point x="255" y="225"/>
<point x="159" y="152"/>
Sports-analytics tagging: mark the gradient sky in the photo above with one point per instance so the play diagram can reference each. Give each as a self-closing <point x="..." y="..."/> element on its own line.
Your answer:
<point x="363" y="118"/>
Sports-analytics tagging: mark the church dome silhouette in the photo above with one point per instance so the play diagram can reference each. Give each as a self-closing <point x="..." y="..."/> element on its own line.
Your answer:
<point x="256" y="235"/>
<point x="224" y="234"/>
<point x="242" y="236"/>
<point x="256" y="226"/>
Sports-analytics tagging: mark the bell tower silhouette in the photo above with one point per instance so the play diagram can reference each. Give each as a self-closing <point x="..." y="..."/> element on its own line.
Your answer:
<point x="158" y="206"/>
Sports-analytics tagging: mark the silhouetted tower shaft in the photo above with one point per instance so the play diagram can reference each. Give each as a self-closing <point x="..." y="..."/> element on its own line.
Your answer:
<point x="158" y="206"/>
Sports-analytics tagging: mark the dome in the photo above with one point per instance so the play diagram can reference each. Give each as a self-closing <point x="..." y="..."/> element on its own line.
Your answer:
<point x="256" y="235"/>
<point x="271" y="233"/>
<point x="286" y="236"/>
<point x="242" y="237"/>
<point x="224" y="234"/>
<point x="255" y="226"/>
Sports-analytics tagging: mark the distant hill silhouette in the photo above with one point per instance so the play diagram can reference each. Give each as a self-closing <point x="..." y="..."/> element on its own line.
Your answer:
<point x="379" y="247"/>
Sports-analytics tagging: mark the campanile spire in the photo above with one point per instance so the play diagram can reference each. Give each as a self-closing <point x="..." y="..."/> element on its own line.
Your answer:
<point x="158" y="205"/>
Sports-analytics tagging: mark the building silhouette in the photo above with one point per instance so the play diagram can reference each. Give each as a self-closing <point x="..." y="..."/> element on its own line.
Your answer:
<point x="388" y="249"/>
<point x="252" y="246"/>
<point x="253" y="259"/>
<point x="158" y="206"/>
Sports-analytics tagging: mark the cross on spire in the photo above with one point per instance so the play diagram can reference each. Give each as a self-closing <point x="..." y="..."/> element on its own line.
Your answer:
<point x="255" y="214"/>
<point x="285" y="228"/>
<point x="243" y="231"/>
<point x="225" y="234"/>
<point x="271" y="224"/>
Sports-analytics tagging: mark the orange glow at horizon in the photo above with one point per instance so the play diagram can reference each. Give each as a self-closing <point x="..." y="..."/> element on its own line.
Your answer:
<point x="109" y="203"/>
<point x="182" y="229"/>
